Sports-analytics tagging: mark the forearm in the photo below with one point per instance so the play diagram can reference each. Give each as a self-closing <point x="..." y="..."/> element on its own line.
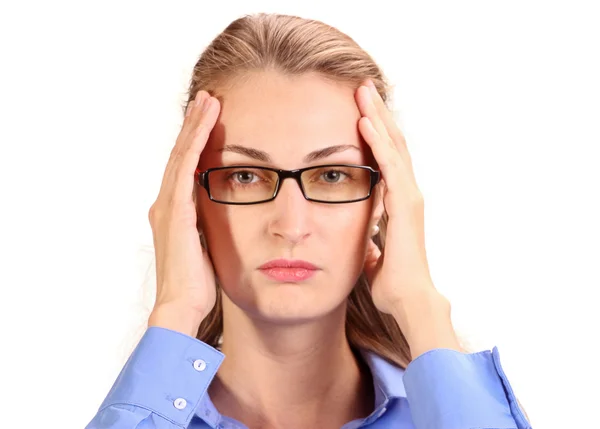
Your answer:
<point x="426" y="323"/>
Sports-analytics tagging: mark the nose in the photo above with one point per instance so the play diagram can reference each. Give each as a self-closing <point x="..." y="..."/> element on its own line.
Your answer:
<point x="290" y="214"/>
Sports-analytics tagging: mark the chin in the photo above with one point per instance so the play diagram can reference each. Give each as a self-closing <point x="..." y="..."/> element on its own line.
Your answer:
<point x="293" y="302"/>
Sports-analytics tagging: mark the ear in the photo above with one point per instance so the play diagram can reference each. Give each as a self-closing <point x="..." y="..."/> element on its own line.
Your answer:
<point x="378" y="206"/>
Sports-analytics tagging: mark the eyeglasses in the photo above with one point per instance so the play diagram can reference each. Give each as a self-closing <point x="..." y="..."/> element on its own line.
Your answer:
<point x="248" y="184"/>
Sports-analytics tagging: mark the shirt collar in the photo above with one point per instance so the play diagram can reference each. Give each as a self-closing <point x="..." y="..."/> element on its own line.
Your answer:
<point x="387" y="380"/>
<point x="387" y="377"/>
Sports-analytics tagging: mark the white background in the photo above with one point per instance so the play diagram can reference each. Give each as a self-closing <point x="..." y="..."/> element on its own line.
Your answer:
<point x="499" y="102"/>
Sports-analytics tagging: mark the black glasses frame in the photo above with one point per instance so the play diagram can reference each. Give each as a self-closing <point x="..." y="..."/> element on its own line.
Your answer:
<point x="202" y="180"/>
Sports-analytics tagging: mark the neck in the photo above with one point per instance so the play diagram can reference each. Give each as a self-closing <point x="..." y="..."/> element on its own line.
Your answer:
<point x="290" y="375"/>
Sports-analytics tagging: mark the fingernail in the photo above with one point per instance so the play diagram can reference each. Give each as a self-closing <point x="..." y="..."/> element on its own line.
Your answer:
<point x="370" y="83"/>
<point x="206" y="105"/>
<point x="374" y="93"/>
<point x="199" y="99"/>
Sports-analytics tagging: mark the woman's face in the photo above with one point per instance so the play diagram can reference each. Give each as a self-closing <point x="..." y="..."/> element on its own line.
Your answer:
<point x="285" y="119"/>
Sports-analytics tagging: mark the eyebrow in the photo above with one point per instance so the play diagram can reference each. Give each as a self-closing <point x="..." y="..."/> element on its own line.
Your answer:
<point x="265" y="157"/>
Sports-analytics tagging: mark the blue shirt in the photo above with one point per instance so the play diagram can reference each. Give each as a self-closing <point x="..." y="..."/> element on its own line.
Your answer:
<point x="164" y="383"/>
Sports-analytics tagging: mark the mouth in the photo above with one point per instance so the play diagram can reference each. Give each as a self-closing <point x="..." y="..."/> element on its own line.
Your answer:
<point x="288" y="271"/>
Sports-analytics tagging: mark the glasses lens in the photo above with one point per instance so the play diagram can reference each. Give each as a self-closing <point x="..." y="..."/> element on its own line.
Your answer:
<point x="336" y="183"/>
<point x="242" y="185"/>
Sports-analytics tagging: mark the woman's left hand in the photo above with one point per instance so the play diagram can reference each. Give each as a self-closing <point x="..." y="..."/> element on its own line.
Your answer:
<point x="400" y="277"/>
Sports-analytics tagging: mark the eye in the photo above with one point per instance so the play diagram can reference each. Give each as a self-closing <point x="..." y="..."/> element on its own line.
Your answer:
<point x="332" y="176"/>
<point x="244" y="177"/>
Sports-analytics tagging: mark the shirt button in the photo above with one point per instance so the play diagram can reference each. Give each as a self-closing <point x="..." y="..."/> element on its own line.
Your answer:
<point x="180" y="403"/>
<point x="199" y="365"/>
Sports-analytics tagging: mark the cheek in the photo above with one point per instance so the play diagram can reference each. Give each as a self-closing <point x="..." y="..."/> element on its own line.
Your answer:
<point x="347" y="223"/>
<point x="345" y="236"/>
<point x="243" y="228"/>
<point x="213" y="222"/>
<point x="230" y="231"/>
<point x="228" y="239"/>
<point x="343" y="229"/>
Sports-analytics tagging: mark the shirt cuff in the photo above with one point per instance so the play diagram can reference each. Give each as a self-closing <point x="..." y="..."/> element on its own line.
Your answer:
<point x="168" y="373"/>
<point x="447" y="389"/>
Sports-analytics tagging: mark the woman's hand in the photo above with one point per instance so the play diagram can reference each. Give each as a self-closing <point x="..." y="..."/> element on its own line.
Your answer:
<point x="185" y="280"/>
<point x="400" y="280"/>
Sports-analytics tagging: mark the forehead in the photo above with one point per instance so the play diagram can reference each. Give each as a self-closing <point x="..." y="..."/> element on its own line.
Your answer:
<point x="287" y="117"/>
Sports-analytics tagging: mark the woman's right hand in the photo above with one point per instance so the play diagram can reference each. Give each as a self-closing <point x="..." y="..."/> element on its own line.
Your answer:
<point x="185" y="280"/>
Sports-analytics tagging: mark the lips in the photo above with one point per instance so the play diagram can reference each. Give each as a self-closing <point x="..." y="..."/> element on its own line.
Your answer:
<point x="288" y="263"/>
<point x="288" y="271"/>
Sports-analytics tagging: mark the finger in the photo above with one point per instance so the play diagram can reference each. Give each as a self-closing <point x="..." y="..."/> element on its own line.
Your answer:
<point x="399" y="183"/>
<point x="191" y="119"/>
<point x="396" y="135"/>
<point x="197" y="142"/>
<point x="194" y="122"/>
<point x="386" y="116"/>
<point x="199" y="135"/>
<point x="375" y="134"/>
<point x="192" y="112"/>
<point x="366" y="105"/>
<point x="387" y="158"/>
<point x="197" y="114"/>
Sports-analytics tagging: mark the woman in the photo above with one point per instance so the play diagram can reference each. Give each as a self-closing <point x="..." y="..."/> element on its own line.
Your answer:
<point x="292" y="169"/>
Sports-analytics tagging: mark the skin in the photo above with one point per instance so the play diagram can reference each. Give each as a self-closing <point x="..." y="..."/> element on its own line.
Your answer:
<point x="288" y="363"/>
<point x="282" y="330"/>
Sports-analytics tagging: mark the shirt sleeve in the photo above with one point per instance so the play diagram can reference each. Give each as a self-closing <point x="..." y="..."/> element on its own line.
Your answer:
<point x="161" y="383"/>
<point x="447" y="389"/>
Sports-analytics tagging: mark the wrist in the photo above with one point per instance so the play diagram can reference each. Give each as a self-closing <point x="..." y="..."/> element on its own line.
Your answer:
<point x="425" y="320"/>
<point x="176" y="318"/>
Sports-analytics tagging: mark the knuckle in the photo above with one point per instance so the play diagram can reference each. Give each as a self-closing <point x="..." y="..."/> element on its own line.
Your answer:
<point x="155" y="213"/>
<point x="152" y="215"/>
<point x="152" y="212"/>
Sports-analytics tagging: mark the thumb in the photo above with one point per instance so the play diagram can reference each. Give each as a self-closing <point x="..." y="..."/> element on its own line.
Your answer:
<point x="372" y="261"/>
